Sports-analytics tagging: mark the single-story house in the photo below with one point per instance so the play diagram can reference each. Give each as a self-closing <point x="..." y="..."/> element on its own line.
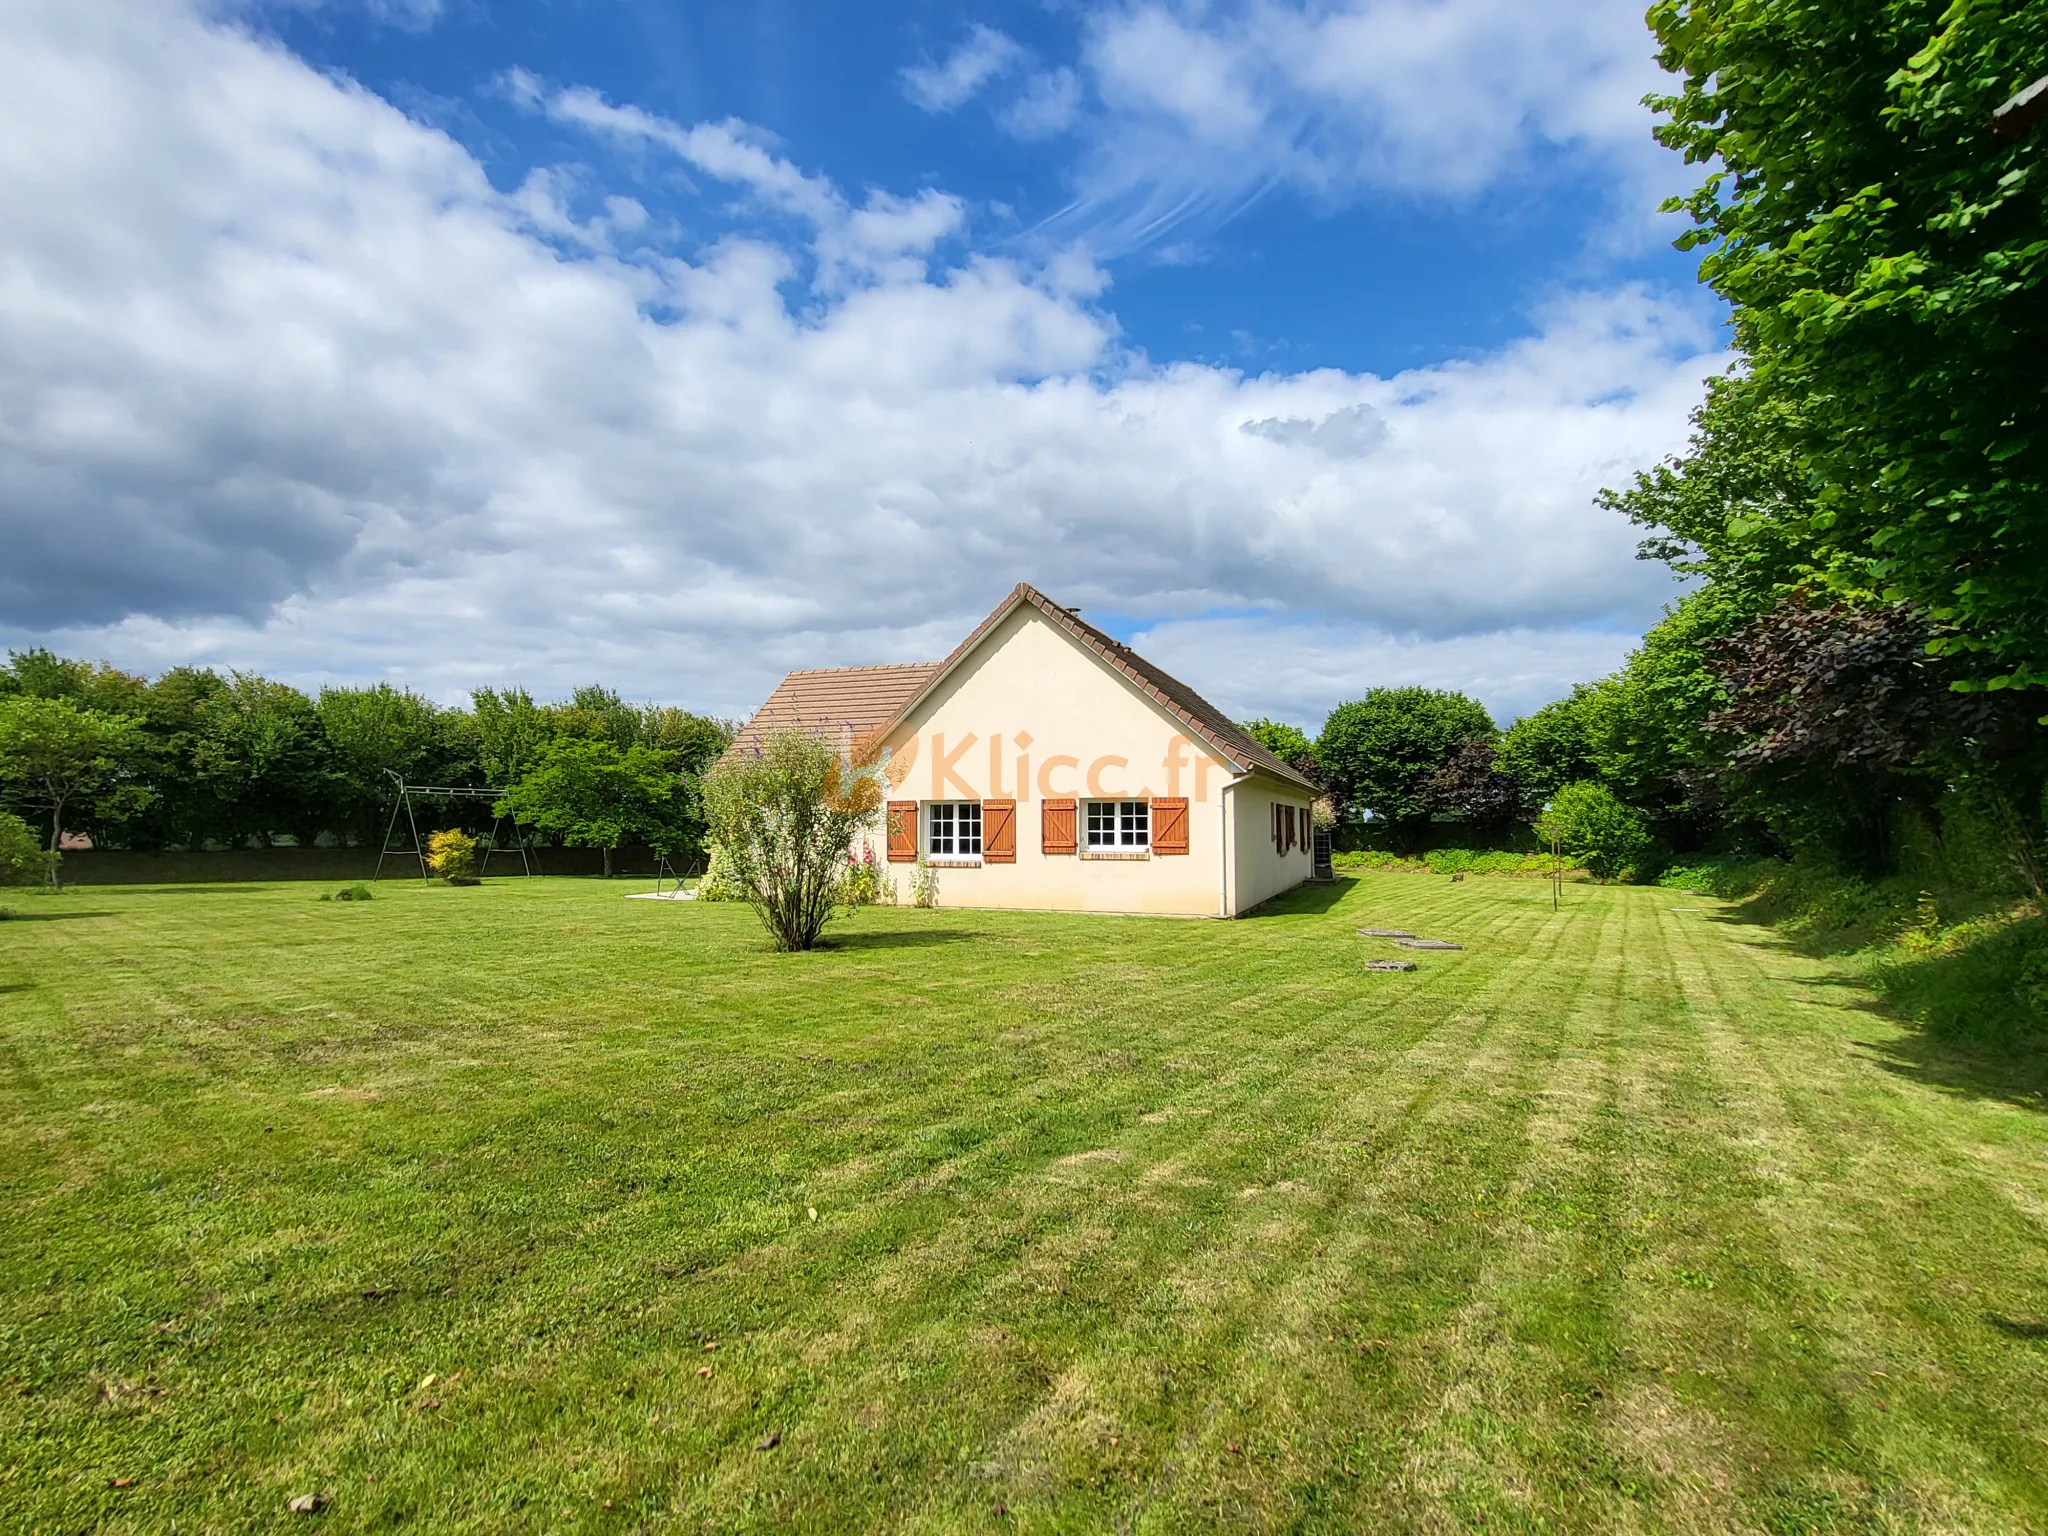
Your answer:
<point x="1045" y="765"/>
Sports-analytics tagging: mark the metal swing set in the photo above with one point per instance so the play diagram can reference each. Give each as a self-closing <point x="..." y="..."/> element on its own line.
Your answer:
<point x="402" y="805"/>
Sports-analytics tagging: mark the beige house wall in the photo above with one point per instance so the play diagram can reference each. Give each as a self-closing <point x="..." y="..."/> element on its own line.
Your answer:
<point x="1030" y="716"/>
<point x="1261" y="871"/>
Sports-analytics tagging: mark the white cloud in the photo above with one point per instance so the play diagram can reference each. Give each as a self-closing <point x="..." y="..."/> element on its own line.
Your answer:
<point x="1049" y="104"/>
<point x="731" y="150"/>
<point x="888" y="236"/>
<point x="944" y="86"/>
<point x="285" y="382"/>
<point x="1299" y="672"/>
<point x="1148" y="60"/>
<point x="1204" y="106"/>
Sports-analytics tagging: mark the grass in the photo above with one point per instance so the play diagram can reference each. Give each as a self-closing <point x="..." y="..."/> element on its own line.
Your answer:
<point x="1627" y="1217"/>
<point x="1458" y="861"/>
<point x="1968" y="964"/>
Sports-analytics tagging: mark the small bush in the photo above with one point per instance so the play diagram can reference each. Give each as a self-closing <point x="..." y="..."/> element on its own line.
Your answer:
<point x="23" y="859"/>
<point x="452" y="856"/>
<point x="924" y="885"/>
<point x="356" y="892"/>
<point x="718" y="883"/>
<point x="1594" y="829"/>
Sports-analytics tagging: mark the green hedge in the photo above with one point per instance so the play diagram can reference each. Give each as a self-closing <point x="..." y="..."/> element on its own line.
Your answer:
<point x="1456" y="861"/>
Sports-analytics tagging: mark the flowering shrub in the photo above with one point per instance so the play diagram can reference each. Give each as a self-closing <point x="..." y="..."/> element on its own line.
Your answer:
<point x="862" y="884"/>
<point x="785" y="818"/>
<point x="924" y="885"/>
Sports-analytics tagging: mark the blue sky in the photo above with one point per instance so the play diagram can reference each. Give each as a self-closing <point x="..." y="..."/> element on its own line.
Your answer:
<point x="677" y="345"/>
<point x="1271" y="277"/>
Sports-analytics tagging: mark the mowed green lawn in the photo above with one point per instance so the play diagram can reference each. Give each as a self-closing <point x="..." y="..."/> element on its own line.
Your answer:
<point x="529" y="1207"/>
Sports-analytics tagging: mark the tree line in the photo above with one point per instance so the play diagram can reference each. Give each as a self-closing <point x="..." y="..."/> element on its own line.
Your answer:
<point x="194" y="759"/>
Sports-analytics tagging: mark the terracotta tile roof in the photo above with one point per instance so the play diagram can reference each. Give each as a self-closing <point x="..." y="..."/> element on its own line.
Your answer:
<point x="828" y="700"/>
<point x="1205" y="722"/>
<point x="869" y="699"/>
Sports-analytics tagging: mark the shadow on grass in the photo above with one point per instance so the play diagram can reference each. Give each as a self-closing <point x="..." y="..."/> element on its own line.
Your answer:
<point x="1970" y="1026"/>
<point x="51" y="917"/>
<point x="1303" y="900"/>
<point x="214" y="887"/>
<point x="912" y="939"/>
<point x="17" y="986"/>
<point x="2018" y="1077"/>
<point x="2016" y="1327"/>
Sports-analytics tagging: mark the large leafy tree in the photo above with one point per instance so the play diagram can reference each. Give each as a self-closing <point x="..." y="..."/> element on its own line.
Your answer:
<point x="1737" y="508"/>
<point x="1553" y="747"/>
<point x="380" y="730"/>
<point x="1887" y="260"/>
<point x="193" y="802"/>
<point x="1473" y="787"/>
<point x="42" y="674"/>
<point x="598" y="713"/>
<point x="511" y="731"/>
<point x="1836" y="716"/>
<point x="595" y="796"/>
<point x="691" y="743"/>
<point x="54" y="754"/>
<point x="1291" y="744"/>
<point x="1380" y="751"/>
<point x="261" y="754"/>
<point x="1646" y="723"/>
<point x="694" y="742"/>
<point x="1286" y="742"/>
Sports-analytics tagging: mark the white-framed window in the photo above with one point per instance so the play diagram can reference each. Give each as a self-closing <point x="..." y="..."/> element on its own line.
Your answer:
<point x="1119" y="825"/>
<point x="953" y="829"/>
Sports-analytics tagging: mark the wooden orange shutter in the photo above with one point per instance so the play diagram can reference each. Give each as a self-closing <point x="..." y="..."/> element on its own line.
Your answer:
<point x="1287" y="826"/>
<point x="999" y="831"/>
<point x="1056" y="827"/>
<point x="1276" y="828"/>
<point x="902" y="831"/>
<point x="1169" y="826"/>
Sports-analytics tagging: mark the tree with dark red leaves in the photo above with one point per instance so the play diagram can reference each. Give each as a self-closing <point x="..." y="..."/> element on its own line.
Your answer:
<point x="1474" y="787"/>
<point x="1838" y="714"/>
